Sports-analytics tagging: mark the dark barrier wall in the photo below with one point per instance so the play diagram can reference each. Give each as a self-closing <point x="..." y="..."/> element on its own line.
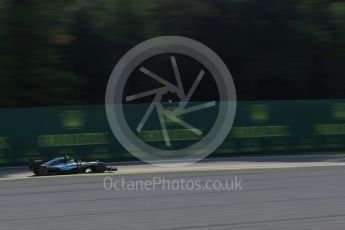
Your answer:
<point x="278" y="127"/>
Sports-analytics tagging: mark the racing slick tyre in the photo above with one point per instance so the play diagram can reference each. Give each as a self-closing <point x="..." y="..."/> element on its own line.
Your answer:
<point x="35" y="165"/>
<point x="43" y="171"/>
<point x="99" y="168"/>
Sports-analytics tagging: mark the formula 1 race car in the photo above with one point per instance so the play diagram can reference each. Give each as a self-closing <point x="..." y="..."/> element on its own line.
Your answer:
<point x="65" y="165"/>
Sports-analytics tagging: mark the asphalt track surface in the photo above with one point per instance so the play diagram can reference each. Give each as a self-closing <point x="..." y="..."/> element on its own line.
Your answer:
<point x="273" y="198"/>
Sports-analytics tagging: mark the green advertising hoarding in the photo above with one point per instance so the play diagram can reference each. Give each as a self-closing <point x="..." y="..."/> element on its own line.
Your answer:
<point x="265" y="127"/>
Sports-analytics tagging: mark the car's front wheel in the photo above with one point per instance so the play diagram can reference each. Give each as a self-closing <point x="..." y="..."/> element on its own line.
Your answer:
<point x="99" y="168"/>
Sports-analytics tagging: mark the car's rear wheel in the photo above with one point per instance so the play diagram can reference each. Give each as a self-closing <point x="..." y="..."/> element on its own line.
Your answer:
<point x="43" y="171"/>
<point x="35" y="165"/>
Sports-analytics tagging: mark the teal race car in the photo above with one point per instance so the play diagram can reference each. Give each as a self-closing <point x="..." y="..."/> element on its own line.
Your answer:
<point x="65" y="165"/>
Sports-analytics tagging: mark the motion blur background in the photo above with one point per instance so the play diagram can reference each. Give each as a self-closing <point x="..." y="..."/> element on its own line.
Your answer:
<point x="287" y="58"/>
<point x="62" y="52"/>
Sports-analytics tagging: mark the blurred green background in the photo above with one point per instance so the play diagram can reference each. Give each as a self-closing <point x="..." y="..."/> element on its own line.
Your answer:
<point x="62" y="52"/>
<point x="260" y="128"/>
